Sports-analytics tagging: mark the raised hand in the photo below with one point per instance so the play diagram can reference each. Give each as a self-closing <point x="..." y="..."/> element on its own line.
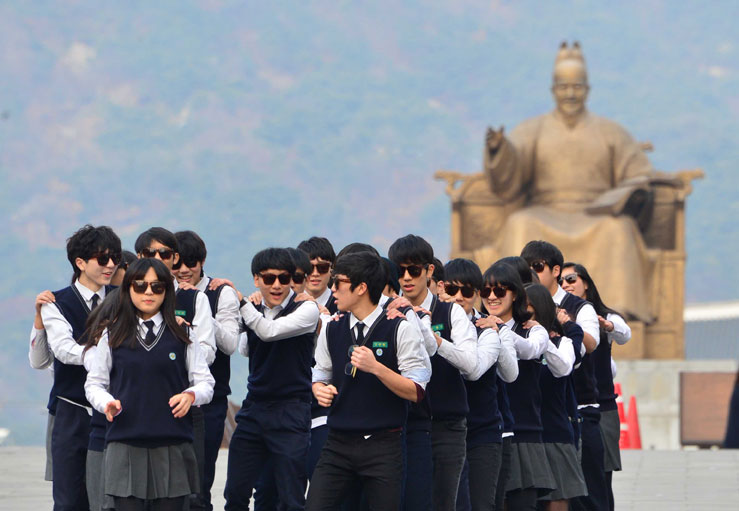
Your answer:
<point x="605" y="324"/>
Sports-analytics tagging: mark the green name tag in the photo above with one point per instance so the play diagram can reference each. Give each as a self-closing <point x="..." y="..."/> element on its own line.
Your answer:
<point x="437" y="328"/>
<point x="180" y="313"/>
<point x="379" y="344"/>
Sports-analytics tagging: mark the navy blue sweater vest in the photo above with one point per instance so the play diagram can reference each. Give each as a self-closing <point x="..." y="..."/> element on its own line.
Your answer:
<point x="583" y="377"/>
<point x="364" y="404"/>
<point x="505" y="407"/>
<point x="185" y="303"/>
<point x="221" y="366"/>
<point x="603" y="374"/>
<point x="144" y="381"/>
<point x="554" y="414"/>
<point x="446" y="391"/>
<point x="280" y="370"/>
<point x="524" y="396"/>
<point x="331" y="305"/>
<point x="484" y="421"/>
<point x="69" y="380"/>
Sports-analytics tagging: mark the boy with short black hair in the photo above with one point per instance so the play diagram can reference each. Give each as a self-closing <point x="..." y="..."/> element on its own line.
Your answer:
<point x="446" y="405"/>
<point x="322" y="258"/>
<point x="94" y="253"/>
<point x="303" y="268"/>
<point x="274" y="421"/>
<point x="367" y="394"/>
<point x="224" y="307"/>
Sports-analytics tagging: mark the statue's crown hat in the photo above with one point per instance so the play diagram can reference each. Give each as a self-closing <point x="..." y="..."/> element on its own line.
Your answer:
<point x="567" y="52"/>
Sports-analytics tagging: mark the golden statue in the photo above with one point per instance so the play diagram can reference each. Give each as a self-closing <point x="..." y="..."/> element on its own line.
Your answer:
<point x="583" y="183"/>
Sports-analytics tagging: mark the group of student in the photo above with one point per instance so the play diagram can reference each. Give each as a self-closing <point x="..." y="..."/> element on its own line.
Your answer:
<point x="385" y="382"/>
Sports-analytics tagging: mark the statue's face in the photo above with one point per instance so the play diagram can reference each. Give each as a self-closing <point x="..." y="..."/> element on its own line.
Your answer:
<point x="570" y="87"/>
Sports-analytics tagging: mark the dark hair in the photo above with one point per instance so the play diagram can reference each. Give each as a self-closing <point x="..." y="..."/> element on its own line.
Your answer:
<point x="317" y="247"/>
<point x="391" y="271"/>
<point x="544" y="310"/>
<point x="128" y="257"/>
<point x="363" y="267"/>
<point x="353" y="248"/>
<point x="521" y="266"/>
<point x="411" y="249"/>
<point x="99" y="318"/>
<point x="159" y="234"/>
<point x="591" y="293"/>
<point x="542" y="251"/>
<point x="464" y="271"/>
<point x="123" y="318"/>
<point x="439" y="271"/>
<point x="503" y="274"/>
<point x="191" y="248"/>
<point x="88" y="241"/>
<point x="272" y="259"/>
<point x="301" y="260"/>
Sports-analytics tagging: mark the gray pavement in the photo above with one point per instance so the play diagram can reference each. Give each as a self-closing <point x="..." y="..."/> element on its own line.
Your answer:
<point x="651" y="480"/>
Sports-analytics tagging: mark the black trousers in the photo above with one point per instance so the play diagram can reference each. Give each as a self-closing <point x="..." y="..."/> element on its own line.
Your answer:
<point x="448" y="449"/>
<point x="505" y="470"/>
<point x="593" y="456"/>
<point x="479" y="480"/>
<point x="419" y="473"/>
<point x="69" y="440"/>
<point x="376" y="461"/>
<point x="208" y="423"/>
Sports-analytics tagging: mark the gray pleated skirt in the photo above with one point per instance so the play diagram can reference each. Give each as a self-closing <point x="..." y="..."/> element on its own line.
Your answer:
<point x="48" y="475"/>
<point x="155" y="473"/>
<point x="529" y="468"/>
<point x="610" y="430"/>
<point x="567" y="472"/>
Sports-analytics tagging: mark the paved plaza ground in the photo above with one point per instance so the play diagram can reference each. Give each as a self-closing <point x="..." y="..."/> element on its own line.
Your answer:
<point x="651" y="480"/>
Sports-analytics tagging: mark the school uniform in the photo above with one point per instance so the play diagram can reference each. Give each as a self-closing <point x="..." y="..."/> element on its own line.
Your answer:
<point x="559" y="440"/>
<point x="326" y="299"/>
<point x="588" y="409"/>
<point x="148" y="452"/>
<point x="224" y="307"/>
<point x="366" y="418"/>
<point x="530" y="474"/>
<point x="274" y="421"/>
<point x="479" y="479"/>
<point x="610" y="425"/>
<point x="64" y="323"/>
<point x="506" y="441"/>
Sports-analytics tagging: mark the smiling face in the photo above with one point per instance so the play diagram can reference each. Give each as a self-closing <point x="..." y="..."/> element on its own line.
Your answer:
<point x="578" y="287"/>
<point x="94" y="276"/>
<point x="156" y="247"/>
<point x="274" y="294"/>
<point x="501" y="307"/>
<point x="317" y="282"/>
<point x="147" y="303"/>
<point x="189" y="274"/>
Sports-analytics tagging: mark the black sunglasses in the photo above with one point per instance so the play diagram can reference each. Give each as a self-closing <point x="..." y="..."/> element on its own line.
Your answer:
<point x="164" y="253"/>
<point x="269" y="278"/>
<point x="414" y="270"/>
<point x="103" y="258"/>
<point x="322" y="268"/>
<point x="453" y="289"/>
<point x="538" y="266"/>
<point x="498" y="291"/>
<point x="190" y="263"/>
<point x="140" y="286"/>
<point x="570" y="278"/>
<point x="298" y="277"/>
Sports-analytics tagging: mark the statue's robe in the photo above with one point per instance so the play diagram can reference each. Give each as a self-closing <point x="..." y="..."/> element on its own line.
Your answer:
<point x="569" y="177"/>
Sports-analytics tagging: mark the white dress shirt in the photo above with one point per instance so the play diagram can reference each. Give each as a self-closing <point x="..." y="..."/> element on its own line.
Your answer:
<point x="621" y="331"/>
<point x="58" y="330"/>
<point x="560" y="360"/>
<point x="527" y="348"/>
<point x="101" y="363"/>
<point x="413" y="361"/>
<point x="323" y="299"/>
<point x="39" y="352"/>
<point x="462" y="351"/>
<point x="422" y="324"/>
<point x="586" y="318"/>
<point x="202" y="326"/>
<point x="302" y="320"/>
<point x="226" y="321"/>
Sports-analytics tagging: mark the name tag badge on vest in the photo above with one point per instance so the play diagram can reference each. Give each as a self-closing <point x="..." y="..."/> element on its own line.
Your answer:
<point x="379" y="345"/>
<point x="437" y="328"/>
<point x="172" y="356"/>
<point x="180" y="313"/>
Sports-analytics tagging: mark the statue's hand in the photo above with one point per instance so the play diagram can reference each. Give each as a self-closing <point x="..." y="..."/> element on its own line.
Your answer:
<point x="494" y="139"/>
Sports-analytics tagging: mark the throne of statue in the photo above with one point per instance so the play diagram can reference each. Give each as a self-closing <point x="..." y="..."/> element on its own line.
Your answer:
<point x="655" y="207"/>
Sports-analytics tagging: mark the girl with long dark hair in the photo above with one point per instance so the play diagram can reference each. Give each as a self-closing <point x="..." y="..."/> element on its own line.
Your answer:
<point x="558" y="435"/>
<point x="529" y="473"/>
<point x="144" y="375"/>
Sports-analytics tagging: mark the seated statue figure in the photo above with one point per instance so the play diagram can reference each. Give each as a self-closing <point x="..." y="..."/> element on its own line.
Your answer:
<point x="583" y="181"/>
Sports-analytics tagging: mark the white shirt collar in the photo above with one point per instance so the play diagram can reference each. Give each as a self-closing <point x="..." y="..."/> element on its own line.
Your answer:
<point x="368" y="321"/>
<point x="176" y="284"/>
<point x="87" y="293"/>
<point x="510" y="323"/>
<point x="157" y="318"/>
<point x="474" y="315"/>
<point x="323" y="299"/>
<point x="559" y="295"/>
<point x="203" y="284"/>
<point x="428" y="300"/>
<point x="383" y="300"/>
<point x="281" y="305"/>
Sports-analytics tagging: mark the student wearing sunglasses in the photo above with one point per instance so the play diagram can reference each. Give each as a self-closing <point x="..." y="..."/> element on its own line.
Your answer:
<point x="93" y="253"/>
<point x="224" y="307"/>
<point x="505" y="300"/>
<point x="477" y="486"/>
<point x="577" y="280"/>
<point x="322" y="258"/>
<point x="547" y="260"/>
<point x="127" y="258"/>
<point x="367" y="369"/>
<point x="145" y="374"/>
<point x="445" y="409"/>
<point x="273" y="425"/>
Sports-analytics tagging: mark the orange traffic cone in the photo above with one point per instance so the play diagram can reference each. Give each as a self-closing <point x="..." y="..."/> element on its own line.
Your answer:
<point x="623" y="440"/>
<point x="632" y="421"/>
